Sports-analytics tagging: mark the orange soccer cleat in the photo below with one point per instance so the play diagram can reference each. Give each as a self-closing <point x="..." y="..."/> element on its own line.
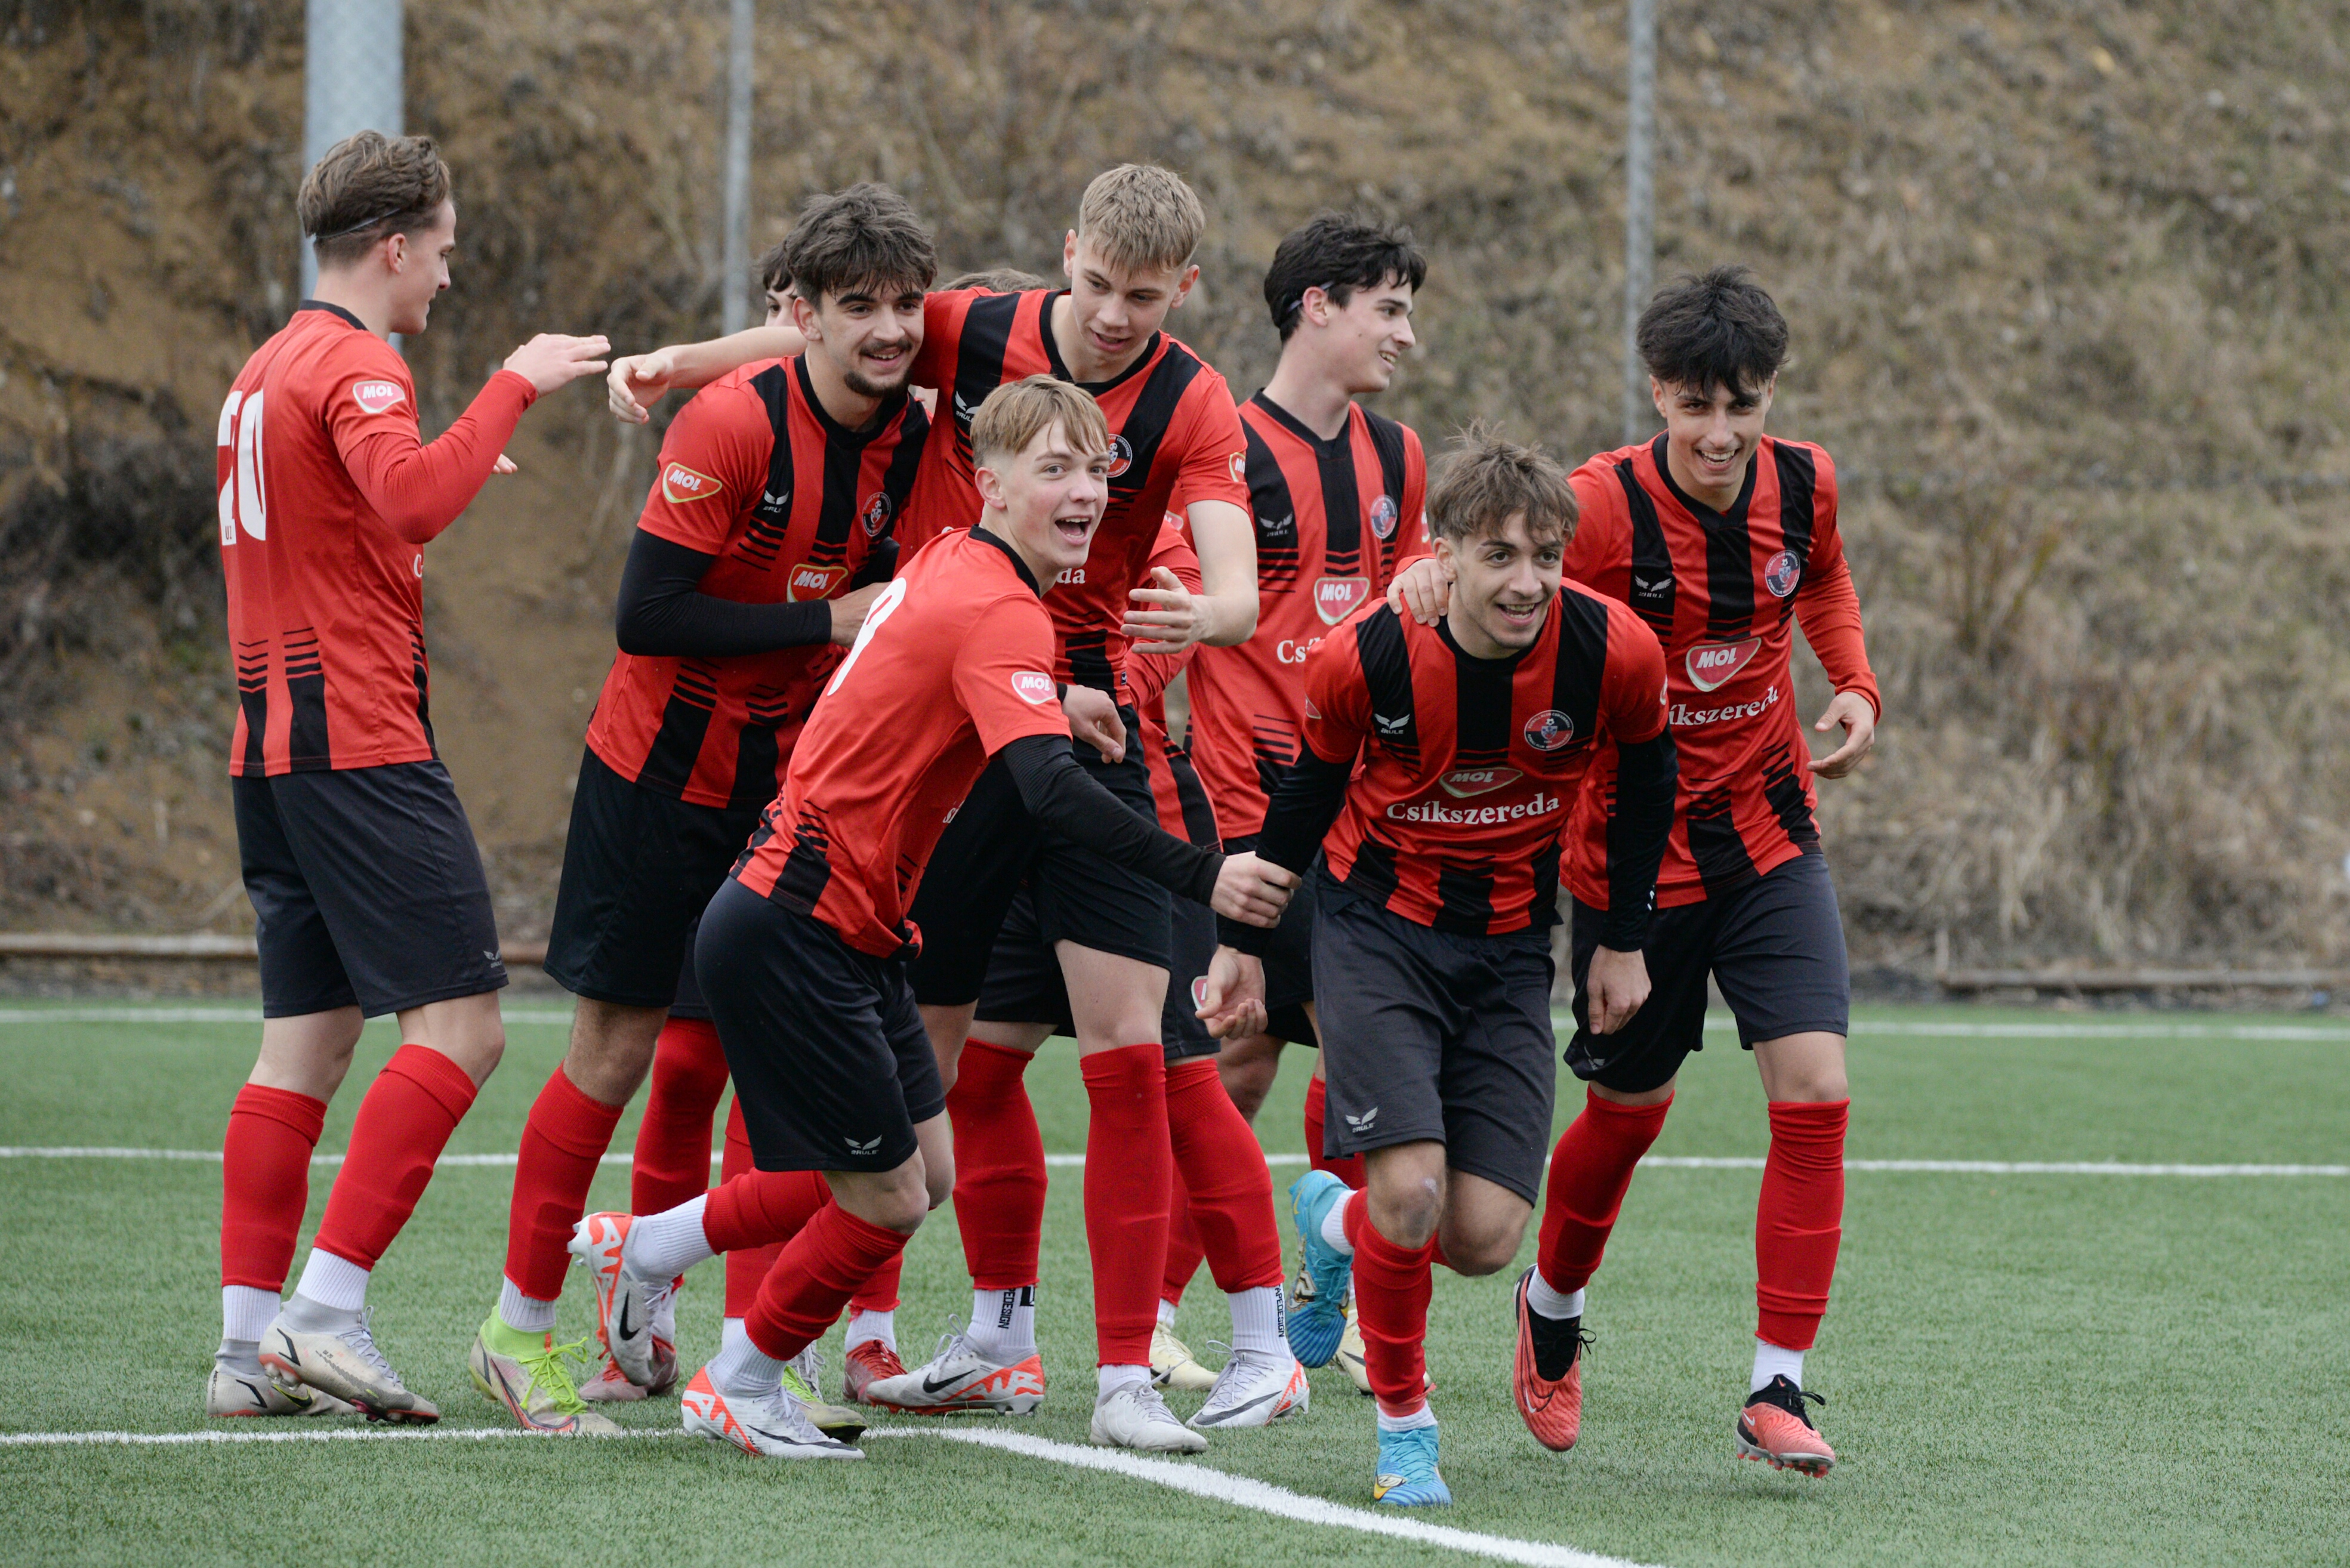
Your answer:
<point x="1551" y="1407"/>
<point x="1774" y="1429"/>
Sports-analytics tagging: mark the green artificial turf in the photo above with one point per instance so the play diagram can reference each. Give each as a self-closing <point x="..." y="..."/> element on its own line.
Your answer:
<point x="2023" y="1369"/>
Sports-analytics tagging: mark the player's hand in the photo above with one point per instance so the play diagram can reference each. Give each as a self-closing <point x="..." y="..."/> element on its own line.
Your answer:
<point x="551" y="359"/>
<point x="635" y="382"/>
<point x="849" y="612"/>
<point x="1168" y="618"/>
<point x="1851" y="710"/>
<point x="1252" y="891"/>
<point x="1230" y="997"/>
<point x="504" y="466"/>
<point x="1614" y="988"/>
<point x="1421" y="591"/>
<point x="1093" y="719"/>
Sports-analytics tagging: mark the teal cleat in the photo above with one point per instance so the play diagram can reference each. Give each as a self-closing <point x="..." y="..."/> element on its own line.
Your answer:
<point x="1407" y="1476"/>
<point x="1318" y="1313"/>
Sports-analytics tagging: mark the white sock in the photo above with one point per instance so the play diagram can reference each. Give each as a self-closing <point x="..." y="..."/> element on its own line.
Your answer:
<point x="246" y="1313"/>
<point x="1003" y="1324"/>
<point x="880" y="1325"/>
<point x="1257" y="1321"/>
<point x="663" y="1246"/>
<point x="332" y="1282"/>
<point x="1423" y="1417"/>
<point x="1111" y="1378"/>
<point x="1770" y="1361"/>
<point x="522" y="1313"/>
<point x="731" y="1333"/>
<point x="1334" y="1227"/>
<point x="742" y="1370"/>
<point x="1167" y="1315"/>
<point x="1552" y="1304"/>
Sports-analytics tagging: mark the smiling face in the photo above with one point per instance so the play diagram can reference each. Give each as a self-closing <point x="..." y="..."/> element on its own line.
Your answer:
<point x="1363" y="338"/>
<point x="869" y="333"/>
<point x="1047" y="501"/>
<point x="1504" y="580"/>
<point x="1116" y="310"/>
<point x="1711" y="435"/>
<point x="418" y="265"/>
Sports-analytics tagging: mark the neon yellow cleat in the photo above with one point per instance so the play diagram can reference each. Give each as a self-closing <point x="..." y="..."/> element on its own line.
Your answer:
<point x="528" y="1374"/>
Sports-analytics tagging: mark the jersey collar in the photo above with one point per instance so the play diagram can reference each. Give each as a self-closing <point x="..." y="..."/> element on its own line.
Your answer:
<point x="1504" y="668"/>
<point x="1699" y="509"/>
<point x="892" y="406"/>
<point x="1291" y="424"/>
<point x="981" y="536"/>
<point x="1053" y="352"/>
<point x="331" y="309"/>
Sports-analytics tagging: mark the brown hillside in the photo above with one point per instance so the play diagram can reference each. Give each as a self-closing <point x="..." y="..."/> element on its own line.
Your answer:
<point x="2066" y="279"/>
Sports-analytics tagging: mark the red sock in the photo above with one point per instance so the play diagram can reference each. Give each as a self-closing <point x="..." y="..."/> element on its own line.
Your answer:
<point x="1392" y="1284"/>
<point x="266" y="1183"/>
<point x="999" y="1195"/>
<point x="672" y="1158"/>
<point x="1589" y="1171"/>
<point x="1183" y="1248"/>
<point x="802" y="1296"/>
<point x="1349" y="1169"/>
<point x="567" y="1133"/>
<point x="410" y="1110"/>
<point x="1799" y="1221"/>
<point x="1128" y="1165"/>
<point x="752" y="1213"/>
<point x="1226" y="1176"/>
<point x="880" y="1293"/>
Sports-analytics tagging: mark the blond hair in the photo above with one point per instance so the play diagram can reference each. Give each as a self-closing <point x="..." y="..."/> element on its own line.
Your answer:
<point x="1144" y="218"/>
<point x="1485" y="478"/>
<point x="1018" y="411"/>
<point x="367" y="186"/>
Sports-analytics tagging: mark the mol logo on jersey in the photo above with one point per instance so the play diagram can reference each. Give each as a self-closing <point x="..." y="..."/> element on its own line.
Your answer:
<point x="1711" y="663"/>
<point x="1336" y="598"/>
<point x="1549" y="729"/>
<point x="1032" y="686"/>
<point x="1239" y="462"/>
<point x="808" y="582"/>
<point x="681" y="484"/>
<point x="1462" y="783"/>
<point x="376" y="397"/>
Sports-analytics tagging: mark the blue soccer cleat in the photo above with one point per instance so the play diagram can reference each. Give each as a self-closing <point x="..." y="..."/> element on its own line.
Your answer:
<point x="1317" y="1313"/>
<point x="1407" y="1476"/>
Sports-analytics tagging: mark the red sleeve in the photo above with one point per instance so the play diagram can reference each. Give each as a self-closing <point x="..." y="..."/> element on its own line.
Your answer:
<point x="1215" y="453"/>
<point x="1602" y="542"/>
<point x="416" y="489"/>
<point x="1413" y="527"/>
<point x="1632" y="683"/>
<point x="1827" y="606"/>
<point x="1338" y="697"/>
<point x="1148" y="675"/>
<point x="713" y="468"/>
<point x="1004" y="674"/>
<point x="934" y="364"/>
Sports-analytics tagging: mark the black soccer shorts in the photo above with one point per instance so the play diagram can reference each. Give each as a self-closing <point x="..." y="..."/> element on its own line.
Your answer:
<point x="1435" y="1035"/>
<point x="1025" y="985"/>
<point x="368" y="889"/>
<point x="1776" y="946"/>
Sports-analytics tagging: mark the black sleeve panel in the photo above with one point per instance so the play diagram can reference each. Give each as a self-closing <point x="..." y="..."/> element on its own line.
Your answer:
<point x="1645" y="775"/>
<point x="662" y="612"/>
<point x="1305" y="802"/>
<point x="1062" y="795"/>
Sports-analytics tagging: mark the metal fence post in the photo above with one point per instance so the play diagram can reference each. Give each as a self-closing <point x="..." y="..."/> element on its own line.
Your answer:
<point x="734" y="301"/>
<point x="1640" y="213"/>
<point x="352" y="80"/>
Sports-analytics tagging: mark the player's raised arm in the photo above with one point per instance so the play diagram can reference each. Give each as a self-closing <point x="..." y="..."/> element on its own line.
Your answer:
<point x="1168" y="615"/>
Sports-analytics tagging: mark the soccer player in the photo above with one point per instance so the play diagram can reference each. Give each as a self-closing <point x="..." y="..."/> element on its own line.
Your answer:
<point x="801" y="953"/>
<point x="771" y="515"/>
<point x="366" y="884"/>
<point x="1431" y="950"/>
<point x="1723" y="539"/>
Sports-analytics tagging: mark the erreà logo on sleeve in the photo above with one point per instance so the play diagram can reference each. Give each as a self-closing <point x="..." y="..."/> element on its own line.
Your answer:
<point x="681" y="484"/>
<point x="1032" y="686"/>
<point x="808" y="582"/>
<point x="377" y="397"/>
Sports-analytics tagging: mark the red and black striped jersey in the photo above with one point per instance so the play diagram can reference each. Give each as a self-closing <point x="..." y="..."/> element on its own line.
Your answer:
<point x="1171" y="425"/>
<point x="952" y="665"/>
<point x="1176" y="789"/>
<point x="791" y="503"/>
<point x="328" y="493"/>
<point x="1722" y="591"/>
<point x="1468" y="766"/>
<point x="1335" y="520"/>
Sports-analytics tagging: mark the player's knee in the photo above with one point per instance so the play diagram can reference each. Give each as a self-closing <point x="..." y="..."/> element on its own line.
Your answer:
<point x="1475" y="1252"/>
<point x="1408" y="1216"/>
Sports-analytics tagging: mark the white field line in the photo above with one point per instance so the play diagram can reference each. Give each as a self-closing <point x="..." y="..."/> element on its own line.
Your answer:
<point x="1199" y="1480"/>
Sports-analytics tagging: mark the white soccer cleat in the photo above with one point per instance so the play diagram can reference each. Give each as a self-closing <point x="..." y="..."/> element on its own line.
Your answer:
<point x="349" y="1365"/>
<point x="627" y="1307"/>
<point x="1350" y="1353"/>
<point x="1133" y="1416"/>
<point x="958" y="1378"/>
<point x="1172" y="1365"/>
<point x="773" y="1426"/>
<point x="1255" y="1390"/>
<point x="229" y="1394"/>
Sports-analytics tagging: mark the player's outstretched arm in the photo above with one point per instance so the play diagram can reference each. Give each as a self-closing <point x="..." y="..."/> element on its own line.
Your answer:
<point x="1166" y="618"/>
<point x="636" y="381"/>
<point x="1231" y="995"/>
<point x="1648" y="774"/>
<point x="1421" y="591"/>
<point x="663" y="613"/>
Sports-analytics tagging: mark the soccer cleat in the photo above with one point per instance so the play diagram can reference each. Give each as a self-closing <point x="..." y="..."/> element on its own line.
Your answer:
<point x="1133" y="1416"/>
<point x="772" y="1426"/>
<point x="1172" y="1366"/>
<point x="534" y="1384"/>
<point x="802" y="1373"/>
<point x="957" y="1378"/>
<point x="869" y="1360"/>
<point x="1408" y="1475"/>
<point x="1255" y="1390"/>
<point x="1551" y="1407"/>
<point x="349" y="1365"/>
<point x="1350" y="1353"/>
<point x="1324" y="1275"/>
<point x="1775" y="1429"/>
<point x="229" y="1394"/>
<point x="610" y="1385"/>
<point x="625" y="1307"/>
